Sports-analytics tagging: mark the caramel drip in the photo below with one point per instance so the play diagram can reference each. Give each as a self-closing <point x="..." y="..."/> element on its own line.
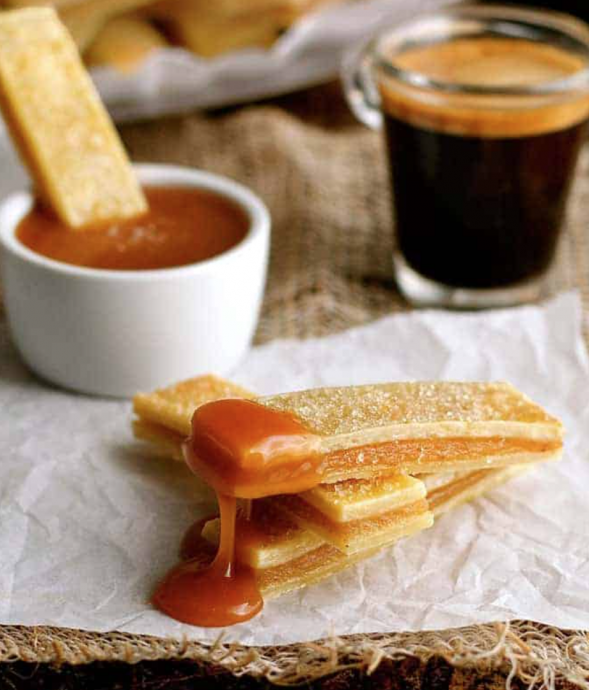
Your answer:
<point x="242" y="449"/>
<point x="222" y="593"/>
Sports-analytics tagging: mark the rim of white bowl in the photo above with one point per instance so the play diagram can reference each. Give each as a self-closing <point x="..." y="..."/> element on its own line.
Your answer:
<point x="164" y="175"/>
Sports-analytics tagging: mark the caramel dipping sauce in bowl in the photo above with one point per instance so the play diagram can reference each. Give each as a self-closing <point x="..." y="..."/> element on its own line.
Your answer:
<point x="135" y="305"/>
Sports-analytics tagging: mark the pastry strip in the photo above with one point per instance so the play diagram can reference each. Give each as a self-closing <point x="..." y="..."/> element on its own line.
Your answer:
<point x="404" y="412"/>
<point x="358" y="535"/>
<point x="267" y="539"/>
<point x="356" y="499"/>
<point x="61" y="128"/>
<point x="85" y="19"/>
<point x="124" y="43"/>
<point x="172" y="407"/>
<point x="465" y="487"/>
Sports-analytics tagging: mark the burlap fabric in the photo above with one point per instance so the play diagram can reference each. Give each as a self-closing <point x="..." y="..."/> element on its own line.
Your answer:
<point x="324" y="179"/>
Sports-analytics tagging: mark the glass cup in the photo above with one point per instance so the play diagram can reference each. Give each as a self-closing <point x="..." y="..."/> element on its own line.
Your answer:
<point x="485" y="110"/>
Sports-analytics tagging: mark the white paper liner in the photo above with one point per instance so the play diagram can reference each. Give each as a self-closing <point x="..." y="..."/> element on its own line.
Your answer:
<point x="89" y="522"/>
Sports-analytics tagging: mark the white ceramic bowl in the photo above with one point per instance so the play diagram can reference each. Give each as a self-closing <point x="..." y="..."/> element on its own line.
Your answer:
<point x="116" y="333"/>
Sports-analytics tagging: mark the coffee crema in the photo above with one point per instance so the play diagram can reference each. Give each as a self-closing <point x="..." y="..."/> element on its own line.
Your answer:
<point x="184" y="225"/>
<point x="491" y="63"/>
<point x="480" y="182"/>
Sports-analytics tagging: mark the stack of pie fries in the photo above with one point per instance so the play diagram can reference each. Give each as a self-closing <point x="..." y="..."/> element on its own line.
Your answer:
<point x="361" y="467"/>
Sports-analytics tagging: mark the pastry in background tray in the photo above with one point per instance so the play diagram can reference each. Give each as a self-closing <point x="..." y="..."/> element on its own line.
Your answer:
<point x="85" y="19"/>
<point x="124" y="42"/>
<point x="209" y="29"/>
<point x="112" y="33"/>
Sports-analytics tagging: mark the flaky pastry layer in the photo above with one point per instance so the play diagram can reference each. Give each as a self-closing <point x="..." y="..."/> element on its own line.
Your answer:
<point x="326" y="560"/>
<point x="357" y="535"/>
<point x="267" y="539"/>
<point x="354" y="416"/>
<point x="172" y="407"/>
<point x="357" y="499"/>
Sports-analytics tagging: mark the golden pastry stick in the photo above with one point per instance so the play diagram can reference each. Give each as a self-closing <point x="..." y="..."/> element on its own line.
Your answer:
<point x="314" y="566"/>
<point x="206" y="33"/>
<point x="296" y="8"/>
<point x="326" y="560"/>
<point x="355" y="499"/>
<point x="172" y="407"/>
<point x="310" y="569"/>
<point x="231" y="9"/>
<point x="162" y="442"/>
<point x="413" y="428"/>
<point x="85" y="19"/>
<point x="124" y="43"/>
<point x="357" y="535"/>
<point x="19" y="4"/>
<point x="267" y="538"/>
<point x="349" y="537"/>
<point x="59" y="124"/>
<point x="445" y="495"/>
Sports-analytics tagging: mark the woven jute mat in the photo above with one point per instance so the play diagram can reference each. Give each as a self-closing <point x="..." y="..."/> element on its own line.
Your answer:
<point x="324" y="179"/>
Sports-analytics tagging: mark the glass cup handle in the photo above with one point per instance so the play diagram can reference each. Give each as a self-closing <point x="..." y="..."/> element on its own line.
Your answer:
<point x="360" y="87"/>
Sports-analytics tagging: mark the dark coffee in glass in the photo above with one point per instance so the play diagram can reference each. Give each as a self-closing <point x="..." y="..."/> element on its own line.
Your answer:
<point x="480" y="200"/>
<point x="485" y="111"/>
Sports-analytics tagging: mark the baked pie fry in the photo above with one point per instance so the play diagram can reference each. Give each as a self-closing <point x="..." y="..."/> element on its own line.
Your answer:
<point x="124" y="43"/>
<point x="454" y="491"/>
<point x="62" y="130"/>
<point x="381" y="429"/>
<point x="172" y="407"/>
<point x="357" y="535"/>
<point x="267" y="538"/>
<point x="85" y="19"/>
<point x="356" y="499"/>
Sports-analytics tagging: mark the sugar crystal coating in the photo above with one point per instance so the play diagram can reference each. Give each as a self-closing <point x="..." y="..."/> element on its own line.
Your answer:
<point x="333" y="411"/>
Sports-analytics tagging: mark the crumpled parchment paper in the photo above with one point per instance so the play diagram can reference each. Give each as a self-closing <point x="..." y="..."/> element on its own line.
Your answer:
<point x="89" y="521"/>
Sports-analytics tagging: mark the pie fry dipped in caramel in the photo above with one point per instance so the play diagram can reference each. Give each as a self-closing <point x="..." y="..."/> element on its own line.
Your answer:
<point x="399" y="427"/>
<point x="59" y="124"/>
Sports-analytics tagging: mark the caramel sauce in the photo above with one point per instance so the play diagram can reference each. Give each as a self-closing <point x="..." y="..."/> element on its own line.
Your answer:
<point x="222" y="593"/>
<point x="242" y="449"/>
<point x="184" y="225"/>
